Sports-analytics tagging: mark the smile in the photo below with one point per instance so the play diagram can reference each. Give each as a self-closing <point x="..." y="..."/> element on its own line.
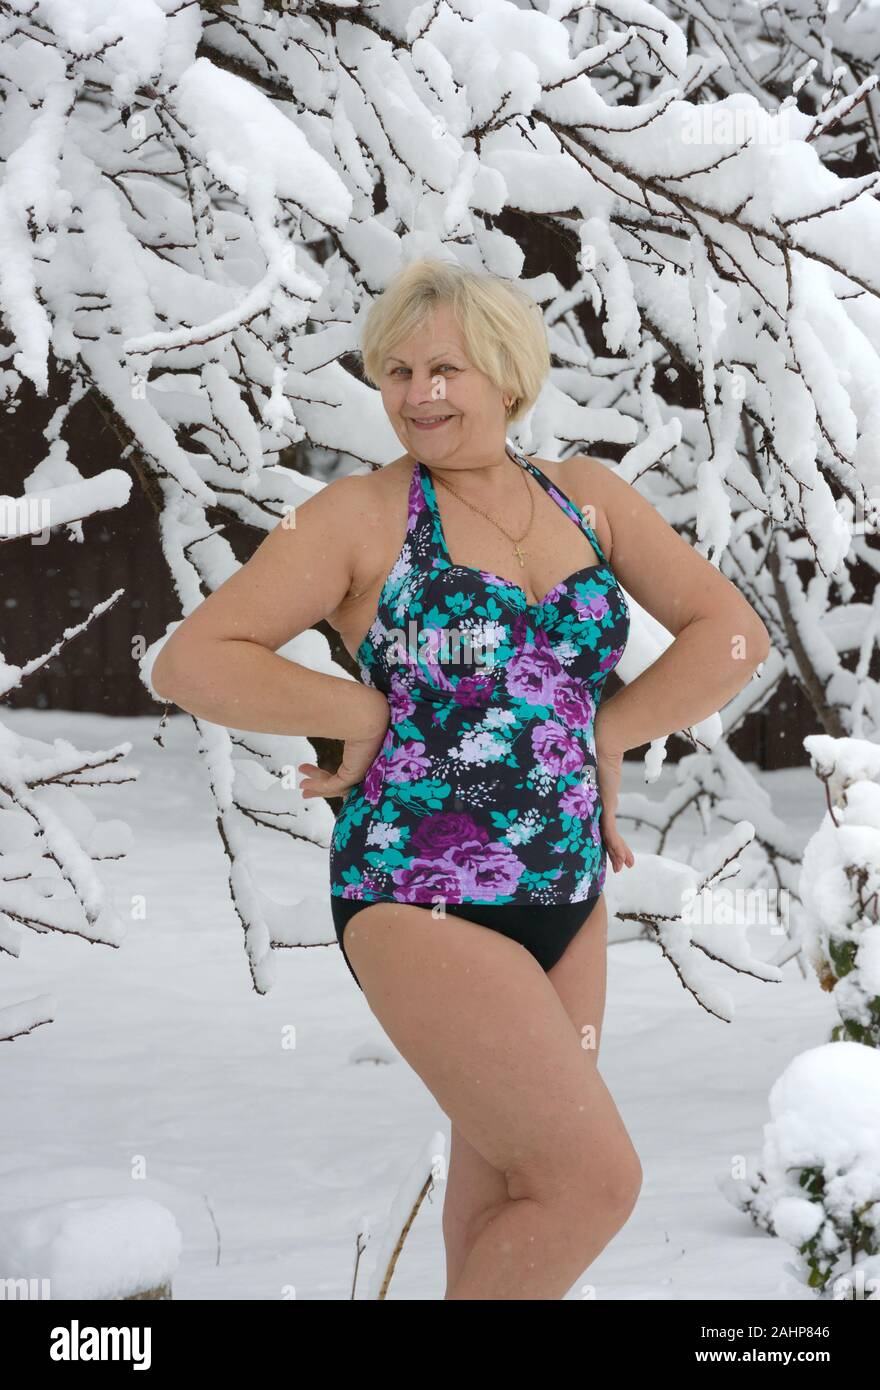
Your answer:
<point x="431" y="424"/>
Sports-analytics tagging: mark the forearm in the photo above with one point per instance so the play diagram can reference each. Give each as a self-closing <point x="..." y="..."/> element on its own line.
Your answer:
<point x="244" y="685"/>
<point x="708" y="663"/>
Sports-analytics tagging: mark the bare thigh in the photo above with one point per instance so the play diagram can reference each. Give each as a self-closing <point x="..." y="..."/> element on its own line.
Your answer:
<point x="484" y="1027"/>
<point x="579" y="978"/>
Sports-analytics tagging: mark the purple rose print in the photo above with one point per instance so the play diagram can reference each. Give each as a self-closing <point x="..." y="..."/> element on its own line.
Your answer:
<point x="427" y="879"/>
<point x="534" y="672"/>
<point x="497" y="744"/>
<point x="473" y="870"/>
<point x="374" y="779"/>
<point x="474" y="690"/>
<point x="556" y="592"/>
<point x="429" y="648"/>
<point x="408" y="762"/>
<point x="360" y="890"/>
<point x="437" y="834"/>
<point x="591" y="609"/>
<point x="610" y="661"/>
<point x="488" y="871"/>
<point x="555" y="749"/>
<point x="559" y="499"/>
<point x="573" y="702"/>
<point x="579" y="800"/>
<point x="401" y="701"/>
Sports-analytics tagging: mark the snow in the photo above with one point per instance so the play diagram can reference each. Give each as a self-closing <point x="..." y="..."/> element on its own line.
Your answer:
<point x="253" y="148"/>
<point x="56" y="494"/>
<point x="272" y="1156"/>
<point x="840" y="880"/>
<point x="825" y="1124"/>
<point x="196" y="206"/>
<point x="174" y="228"/>
<point x="91" y="1247"/>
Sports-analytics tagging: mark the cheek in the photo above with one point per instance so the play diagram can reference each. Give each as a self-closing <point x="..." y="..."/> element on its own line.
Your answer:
<point x="392" y="399"/>
<point x="462" y="398"/>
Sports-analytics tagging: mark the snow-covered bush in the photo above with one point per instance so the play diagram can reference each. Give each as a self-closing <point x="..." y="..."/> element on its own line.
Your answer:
<point x="51" y="844"/>
<point x="817" y="1184"/>
<point x="824" y="57"/>
<point x="98" y="1248"/>
<point x="690" y="916"/>
<point x="199" y="201"/>
<point x="840" y="883"/>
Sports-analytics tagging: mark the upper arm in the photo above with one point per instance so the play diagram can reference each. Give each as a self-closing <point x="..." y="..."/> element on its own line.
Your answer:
<point x="663" y="573"/>
<point x="298" y="575"/>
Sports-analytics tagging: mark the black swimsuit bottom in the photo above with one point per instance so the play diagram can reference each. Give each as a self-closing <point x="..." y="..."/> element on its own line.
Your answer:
<point x="484" y="796"/>
<point x="545" y="931"/>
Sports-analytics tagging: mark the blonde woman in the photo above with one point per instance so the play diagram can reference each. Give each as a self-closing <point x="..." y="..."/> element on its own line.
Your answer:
<point x="480" y="771"/>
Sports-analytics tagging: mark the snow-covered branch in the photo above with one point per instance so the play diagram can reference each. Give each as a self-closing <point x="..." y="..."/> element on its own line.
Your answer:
<point x="198" y="202"/>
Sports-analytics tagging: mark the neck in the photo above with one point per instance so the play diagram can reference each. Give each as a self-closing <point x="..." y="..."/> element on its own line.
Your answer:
<point x="477" y="479"/>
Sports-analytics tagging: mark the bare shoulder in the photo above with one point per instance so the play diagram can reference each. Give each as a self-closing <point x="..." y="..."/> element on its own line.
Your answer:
<point x="369" y="506"/>
<point x="363" y="496"/>
<point x="580" y="478"/>
<point x="301" y="573"/>
<point x="585" y="477"/>
<point x="666" y="575"/>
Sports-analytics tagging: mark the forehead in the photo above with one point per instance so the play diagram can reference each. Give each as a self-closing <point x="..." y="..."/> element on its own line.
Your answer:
<point x="440" y="333"/>
<point x="434" y="348"/>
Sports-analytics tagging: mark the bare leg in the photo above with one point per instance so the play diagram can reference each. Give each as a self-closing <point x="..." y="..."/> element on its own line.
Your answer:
<point x="474" y="1189"/>
<point x="483" y="1025"/>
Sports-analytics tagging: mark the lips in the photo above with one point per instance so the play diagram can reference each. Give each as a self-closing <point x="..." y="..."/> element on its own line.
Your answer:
<point x="432" y="422"/>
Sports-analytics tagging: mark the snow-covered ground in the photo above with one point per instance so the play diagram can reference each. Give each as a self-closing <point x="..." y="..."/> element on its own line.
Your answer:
<point x="163" y="1059"/>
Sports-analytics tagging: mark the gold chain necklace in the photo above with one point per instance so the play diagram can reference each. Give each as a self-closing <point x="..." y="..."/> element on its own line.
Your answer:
<point x="520" y="554"/>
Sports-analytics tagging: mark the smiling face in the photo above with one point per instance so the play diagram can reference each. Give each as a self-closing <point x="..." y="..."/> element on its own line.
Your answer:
<point x="428" y="378"/>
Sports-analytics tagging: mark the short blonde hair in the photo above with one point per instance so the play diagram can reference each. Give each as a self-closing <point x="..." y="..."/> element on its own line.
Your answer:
<point x="502" y="326"/>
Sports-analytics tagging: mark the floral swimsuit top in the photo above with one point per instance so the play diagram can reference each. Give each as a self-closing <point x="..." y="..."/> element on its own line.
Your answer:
<point x="485" y="787"/>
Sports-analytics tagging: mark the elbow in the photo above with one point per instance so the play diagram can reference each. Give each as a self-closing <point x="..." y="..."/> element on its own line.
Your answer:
<point x="164" y="679"/>
<point x="741" y="627"/>
<point x="748" y="637"/>
<point x="176" y="664"/>
<point x="759" y="643"/>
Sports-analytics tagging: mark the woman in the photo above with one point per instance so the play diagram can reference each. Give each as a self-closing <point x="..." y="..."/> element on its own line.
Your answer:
<point x="482" y="777"/>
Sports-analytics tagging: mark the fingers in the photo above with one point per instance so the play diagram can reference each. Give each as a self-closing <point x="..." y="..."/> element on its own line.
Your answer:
<point x="310" y="778"/>
<point x="314" y="781"/>
<point x="619" y="852"/>
<point x="332" y="787"/>
<point x="321" y="786"/>
<point x="621" y="856"/>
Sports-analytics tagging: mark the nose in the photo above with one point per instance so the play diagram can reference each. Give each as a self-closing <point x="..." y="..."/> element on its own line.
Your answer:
<point x="424" y="388"/>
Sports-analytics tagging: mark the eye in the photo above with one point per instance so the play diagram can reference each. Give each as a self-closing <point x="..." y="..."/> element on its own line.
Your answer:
<point x="443" y="366"/>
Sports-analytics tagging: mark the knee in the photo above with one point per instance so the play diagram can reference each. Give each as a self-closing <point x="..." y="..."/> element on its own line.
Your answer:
<point x="604" y="1199"/>
<point x="588" y="1188"/>
<point x="607" y="1198"/>
<point x="627" y="1183"/>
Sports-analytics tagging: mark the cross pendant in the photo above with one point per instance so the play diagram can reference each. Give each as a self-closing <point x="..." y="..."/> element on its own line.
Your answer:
<point x="520" y="554"/>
